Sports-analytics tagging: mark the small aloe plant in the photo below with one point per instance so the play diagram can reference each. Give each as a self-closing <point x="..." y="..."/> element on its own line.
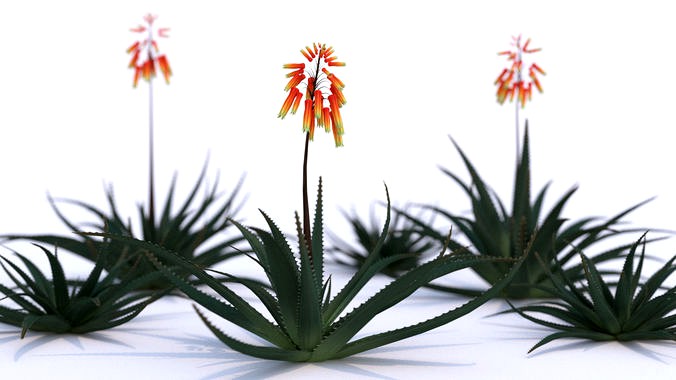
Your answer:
<point x="633" y="311"/>
<point x="309" y="323"/>
<point x="186" y="231"/>
<point x="99" y="302"/>
<point x="493" y="231"/>
<point x="402" y="238"/>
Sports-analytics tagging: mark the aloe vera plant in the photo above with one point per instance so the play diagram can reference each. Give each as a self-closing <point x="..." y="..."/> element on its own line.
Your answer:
<point x="309" y="323"/>
<point x="401" y="238"/>
<point x="634" y="311"/>
<point x="99" y="302"/>
<point x="492" y="230"/>
<point x="185" y="231"/>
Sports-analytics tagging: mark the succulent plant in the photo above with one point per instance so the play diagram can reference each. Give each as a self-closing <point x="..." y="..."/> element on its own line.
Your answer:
<point x="494" y="231"/>
<point x="309" y="323"/>
<point x="185" y="231"/>
<point x="636" y="310"/>
<point x="401" y="238"/>
<point x="99" y="302"/>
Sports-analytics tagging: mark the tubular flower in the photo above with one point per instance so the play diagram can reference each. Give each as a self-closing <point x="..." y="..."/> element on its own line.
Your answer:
<point x="323" y="91"/>
<point x="145" y="55"/>
<point x="511" y="82"/>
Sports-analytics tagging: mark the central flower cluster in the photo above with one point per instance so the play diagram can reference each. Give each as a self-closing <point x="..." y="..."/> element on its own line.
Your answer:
<point x="511" y="82"/>
<point x="146" y="54"/>
<point x="323" y="91"/>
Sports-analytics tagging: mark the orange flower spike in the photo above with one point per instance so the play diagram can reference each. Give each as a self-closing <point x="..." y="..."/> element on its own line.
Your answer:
<point x="320" y="87"/>
<point x="146" y="54"/>
<point x="307" y="115"/>
<point x="326" y="119"/>
<point x="510" y="82"/>
<point x="287" y="103"/>
<point x="319" y="103"/>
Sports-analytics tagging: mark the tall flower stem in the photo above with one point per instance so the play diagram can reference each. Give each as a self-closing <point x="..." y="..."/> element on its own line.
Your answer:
<point x="151" y="158"/>
<point x="145" y="58"/>
<point x="306" y="203"/>
<point x="320" y="86"/>
<point x="518" y="136"/>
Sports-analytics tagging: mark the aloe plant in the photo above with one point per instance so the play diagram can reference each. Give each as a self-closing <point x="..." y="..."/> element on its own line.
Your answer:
<point x="634" y="311"/>
<point x="492" y="230"/>
<point x="99" y="302"/>
<point x="401" y="238"/>
<point x="185" y="231"/>
<point x="309" y="323"/>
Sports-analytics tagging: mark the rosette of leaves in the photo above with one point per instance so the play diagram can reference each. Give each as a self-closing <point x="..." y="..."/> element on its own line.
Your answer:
<point x="634" y="311"/>
<point x="190" y="232"/>
<point x="58" y="305"/>
<point x="402" y="238"/>
<point x="308" y="322"/>
<point x="492" y="230"/>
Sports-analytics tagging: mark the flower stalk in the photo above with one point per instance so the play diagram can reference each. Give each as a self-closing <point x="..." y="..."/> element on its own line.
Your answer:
<point x="512" y="85"/>
<point x="145" y="58"/>
<point x="321" y="87"/>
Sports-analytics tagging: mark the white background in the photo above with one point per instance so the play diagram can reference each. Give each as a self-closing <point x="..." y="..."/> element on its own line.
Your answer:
<point x="416" y="73"/>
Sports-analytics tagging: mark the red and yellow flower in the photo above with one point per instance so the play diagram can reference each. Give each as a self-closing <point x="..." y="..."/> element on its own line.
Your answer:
<point x="323" y="91"/>
<point x="145" y="54"/>
<point x="511" y="83"/>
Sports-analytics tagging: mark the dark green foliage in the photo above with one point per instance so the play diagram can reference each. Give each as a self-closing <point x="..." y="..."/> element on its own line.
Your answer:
<point x="185" y="232"/>
<point x="593" y="311"/>
<point x="97" y="303"/>
<point x="401" y="238"/>
<point x="309" y="323"/>
<point x="493" y="231"/>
